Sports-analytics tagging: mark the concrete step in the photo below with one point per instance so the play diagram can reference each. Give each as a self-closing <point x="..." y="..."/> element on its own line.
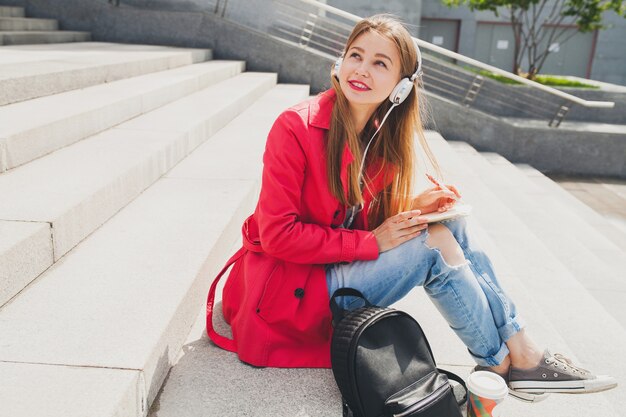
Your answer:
<point x="602" y="217"/>
<point x="25" y="252"/>
<point x="57" y="383"/>
<point x="122" y="302"/>
<point x="592" y="259"/>
<point x="34" y="128"/>
<point x="581" y="320"/>
<point x="209" y="381"/>
<point x="592" y="217"/>
<point x="78" y="188"/>
<point x="616" y="187"/>
<point x="33" y="71"/>
<point x="8" y="11"/>
<point x="27" y="24"/>
<point x="30" y="37"/>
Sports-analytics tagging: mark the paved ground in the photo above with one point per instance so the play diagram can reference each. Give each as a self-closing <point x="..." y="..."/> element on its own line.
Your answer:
<point x="605" y="195"/>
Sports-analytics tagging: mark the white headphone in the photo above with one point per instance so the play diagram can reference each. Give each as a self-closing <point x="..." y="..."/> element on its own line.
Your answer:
<point x="402" y="90"/>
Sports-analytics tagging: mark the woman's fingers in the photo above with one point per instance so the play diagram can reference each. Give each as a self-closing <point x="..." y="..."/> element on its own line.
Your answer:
<point x="441" y="194"/>
<point x="409" y="236"/>
<point x="405" y="216"/>
<point x="407" y="222"/>
<point x="454" y="190"/>
<point x="398" y="229"/>
<point x="400" y="236"/>
<point x="413" y="225"/>
<point x="410" y="221"/>
<point x="448" y="194"/>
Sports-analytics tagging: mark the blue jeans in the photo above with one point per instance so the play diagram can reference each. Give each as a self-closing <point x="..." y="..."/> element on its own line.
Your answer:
<point x="467" y="295"/>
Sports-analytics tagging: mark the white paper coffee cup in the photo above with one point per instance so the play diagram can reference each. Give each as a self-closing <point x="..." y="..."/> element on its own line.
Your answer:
<point x="486" y="391"/>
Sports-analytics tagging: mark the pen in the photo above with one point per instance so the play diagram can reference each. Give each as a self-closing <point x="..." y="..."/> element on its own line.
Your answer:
<point x="438" y="184"/>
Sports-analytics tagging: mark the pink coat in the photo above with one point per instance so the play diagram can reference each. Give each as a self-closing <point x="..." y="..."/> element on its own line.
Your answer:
<point x="276" y="297"/>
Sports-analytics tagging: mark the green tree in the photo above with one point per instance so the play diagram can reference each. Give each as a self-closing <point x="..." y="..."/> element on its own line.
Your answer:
<point x="538" y="24"/>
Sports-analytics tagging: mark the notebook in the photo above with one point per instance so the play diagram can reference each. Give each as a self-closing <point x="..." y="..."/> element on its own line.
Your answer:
<point x="457" y="210"/>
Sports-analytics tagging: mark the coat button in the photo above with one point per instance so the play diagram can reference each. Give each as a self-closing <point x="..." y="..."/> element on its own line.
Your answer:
<point x="299" y="293"/>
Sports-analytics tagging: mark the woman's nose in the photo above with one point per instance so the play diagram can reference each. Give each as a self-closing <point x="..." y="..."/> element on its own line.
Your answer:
<point x="361" y="70"/>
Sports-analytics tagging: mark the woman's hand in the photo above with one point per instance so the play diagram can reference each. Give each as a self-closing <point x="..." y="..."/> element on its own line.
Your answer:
<point x="436" y="199"/>
<point x="398" y="229"/>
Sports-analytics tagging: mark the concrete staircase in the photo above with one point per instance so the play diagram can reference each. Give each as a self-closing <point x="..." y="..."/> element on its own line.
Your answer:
<point x="115" y="202"/>
<point x="122" y="196"/>
<point x="598" y="263"/>
<point x="15" y="29"/>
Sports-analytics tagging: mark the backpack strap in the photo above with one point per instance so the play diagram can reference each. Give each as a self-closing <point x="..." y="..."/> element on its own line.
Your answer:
<point x="454" y="377"/>
<point x="219" y="340"/>
<point x="339" y="312"/>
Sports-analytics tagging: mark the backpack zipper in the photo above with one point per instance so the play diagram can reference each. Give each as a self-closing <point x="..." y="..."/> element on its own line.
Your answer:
<point x="426" y="402"/>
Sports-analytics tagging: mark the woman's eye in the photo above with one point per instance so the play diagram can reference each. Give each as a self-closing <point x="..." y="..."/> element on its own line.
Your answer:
<point x="355" y="55"/>
<point x="381" y="63"/>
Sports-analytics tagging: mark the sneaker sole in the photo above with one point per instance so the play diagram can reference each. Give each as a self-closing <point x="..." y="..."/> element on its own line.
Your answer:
<point x="520" y="396"/>
<point x="567" y="387"/>
<point x="528" y="397"/>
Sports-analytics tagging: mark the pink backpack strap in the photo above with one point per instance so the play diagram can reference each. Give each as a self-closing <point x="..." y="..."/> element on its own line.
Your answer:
<point x="219" y="340"/>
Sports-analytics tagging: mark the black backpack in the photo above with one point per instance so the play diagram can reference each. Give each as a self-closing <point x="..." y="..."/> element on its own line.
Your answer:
<point x="383" y="364"/>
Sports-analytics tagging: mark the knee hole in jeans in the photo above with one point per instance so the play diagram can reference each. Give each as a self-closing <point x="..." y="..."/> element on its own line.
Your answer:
<point x="441" y="238"/>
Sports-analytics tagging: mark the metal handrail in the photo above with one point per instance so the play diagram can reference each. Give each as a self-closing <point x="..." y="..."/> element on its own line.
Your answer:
<point x="431" y="47"/>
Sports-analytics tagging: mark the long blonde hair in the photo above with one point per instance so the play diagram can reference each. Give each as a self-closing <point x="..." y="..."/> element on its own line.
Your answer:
<point x="394" y="144"/>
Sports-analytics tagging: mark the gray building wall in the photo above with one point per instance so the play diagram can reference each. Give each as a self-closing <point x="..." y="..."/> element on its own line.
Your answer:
<point x="410" y="11"/>
<point x="609" y="54"/>
<point x="609" y="63"/>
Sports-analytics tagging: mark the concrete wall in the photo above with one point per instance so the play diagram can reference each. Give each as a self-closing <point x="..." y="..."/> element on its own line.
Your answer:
<point x="549" y="150"/>
<point x="616" y="115"/>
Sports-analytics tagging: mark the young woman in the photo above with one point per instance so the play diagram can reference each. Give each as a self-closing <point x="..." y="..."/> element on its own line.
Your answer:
<point x="336" y="210"/>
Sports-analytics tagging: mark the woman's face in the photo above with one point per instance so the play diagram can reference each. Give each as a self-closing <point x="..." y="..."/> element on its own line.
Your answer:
<point x="370" y="70"/>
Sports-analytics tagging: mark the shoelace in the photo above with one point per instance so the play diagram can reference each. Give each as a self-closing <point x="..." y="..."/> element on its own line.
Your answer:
<point x="558" y="358"/>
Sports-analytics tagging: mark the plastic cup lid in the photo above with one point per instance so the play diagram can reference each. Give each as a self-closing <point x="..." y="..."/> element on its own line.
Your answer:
<point x="487" y="384"/>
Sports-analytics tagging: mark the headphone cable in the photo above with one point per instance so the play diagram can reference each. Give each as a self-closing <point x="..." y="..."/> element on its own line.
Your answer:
<point x="360" y="177"/>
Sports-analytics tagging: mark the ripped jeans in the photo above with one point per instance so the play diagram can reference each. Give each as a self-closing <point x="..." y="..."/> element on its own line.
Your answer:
<point x="468" y="295"/>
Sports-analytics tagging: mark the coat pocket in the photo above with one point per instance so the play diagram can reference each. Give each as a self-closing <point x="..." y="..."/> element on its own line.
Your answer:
<point x="283" y="292"/>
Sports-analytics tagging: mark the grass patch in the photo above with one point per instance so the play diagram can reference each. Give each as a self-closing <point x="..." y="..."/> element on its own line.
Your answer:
<point x="549" y="80"/>
<point x="562" y="82"/>
<point x="497" y="77"/>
